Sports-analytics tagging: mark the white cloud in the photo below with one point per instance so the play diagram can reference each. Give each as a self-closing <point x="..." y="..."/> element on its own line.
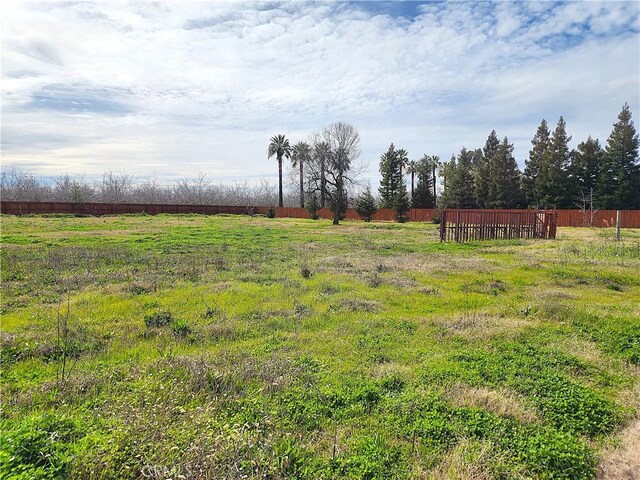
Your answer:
<point x="189" y="87"/>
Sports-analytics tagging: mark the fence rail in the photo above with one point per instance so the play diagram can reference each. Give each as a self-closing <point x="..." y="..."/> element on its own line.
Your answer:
<point x="565" y="218"/>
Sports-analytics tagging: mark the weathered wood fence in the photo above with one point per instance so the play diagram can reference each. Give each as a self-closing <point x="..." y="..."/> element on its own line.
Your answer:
<point x="565" y="218"/>
<point x="468" y="225"/>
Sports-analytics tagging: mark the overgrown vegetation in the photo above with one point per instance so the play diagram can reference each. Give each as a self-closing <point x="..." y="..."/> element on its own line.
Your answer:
<point x="246" y="347"/>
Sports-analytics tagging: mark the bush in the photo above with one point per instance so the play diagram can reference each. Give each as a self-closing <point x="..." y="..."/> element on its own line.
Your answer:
<point x="305" y="271"/>
<point x="271" y="212"/>
<point x="366" y="205"/>
<point x="401" y="204"/>
<point x="313" y="206"/>
<point x="158" y="319"/>
<point x="180" y="328"/>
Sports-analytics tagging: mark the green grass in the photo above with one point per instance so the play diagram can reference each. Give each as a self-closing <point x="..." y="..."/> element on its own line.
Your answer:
<point x="228" y="347"/>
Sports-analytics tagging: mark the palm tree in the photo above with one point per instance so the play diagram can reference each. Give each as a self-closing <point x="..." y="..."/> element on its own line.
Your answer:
<point x="321" y="153"/>
<point x="279" y="147"/>
<point x="435" y="163"/>
<point x="412" y="168"/>
<point x="299" y="155"/>
<point x="403" y="158"/>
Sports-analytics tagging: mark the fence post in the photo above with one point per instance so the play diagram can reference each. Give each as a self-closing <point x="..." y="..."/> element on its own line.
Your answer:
<point x="618" y="225"/>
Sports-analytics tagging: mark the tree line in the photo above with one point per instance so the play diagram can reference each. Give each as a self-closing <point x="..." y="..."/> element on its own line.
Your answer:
<point x="554" y="176"/>
<point x="588" y="177"/>
<point x="328" y="165"/>
<point x="113" y="187"/>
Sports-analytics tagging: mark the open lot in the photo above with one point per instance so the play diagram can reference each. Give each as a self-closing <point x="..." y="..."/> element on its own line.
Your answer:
<point x="240" y="347"/>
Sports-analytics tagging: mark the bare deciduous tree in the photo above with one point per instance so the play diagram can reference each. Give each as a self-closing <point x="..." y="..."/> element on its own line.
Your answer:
<point x="341" y="165"/>
<point x="196" y="191"/>
<point x="115" y="187"/>
<point x="21" y="185"/>
<point x="68" y="188"/>
<point x="585" y="202"/>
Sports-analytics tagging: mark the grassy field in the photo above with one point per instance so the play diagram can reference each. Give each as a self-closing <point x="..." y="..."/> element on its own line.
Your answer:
<point x="237" y="347"/>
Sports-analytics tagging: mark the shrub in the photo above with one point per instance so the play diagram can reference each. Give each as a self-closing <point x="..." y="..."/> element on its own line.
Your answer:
<point x="180" y="328"/>
<point x="158" y="319"/>
<point x="366" y="205"/>
<point x="271" y="212"/>
<point x="305" y="271"/>
<point x="401" y="204"/>
<point x="313" y="207"/>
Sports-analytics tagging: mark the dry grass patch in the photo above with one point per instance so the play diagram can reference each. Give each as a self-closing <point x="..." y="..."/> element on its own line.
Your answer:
<point x="466" y="461"/>
<point x="358" y="305"/>
<point x="428" y="263"/>
<point x="623" y="462"/>
<point x="384" y="370"/>
<point x="479" y="325"/>
<point x="501" y="402"/>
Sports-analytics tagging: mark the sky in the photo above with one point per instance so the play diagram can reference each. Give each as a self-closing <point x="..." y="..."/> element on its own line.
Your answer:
<point x="174" y="89"/>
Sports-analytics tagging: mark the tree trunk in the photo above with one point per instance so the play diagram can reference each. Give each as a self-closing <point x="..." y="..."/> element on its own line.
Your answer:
<point x="323" y="184"/>
<point x="280" y="204"/>
<point x="412" y="178"/>
<point x="337" y="203"/>
<point x="301" y="185"/>
<point x="434" y="181"/>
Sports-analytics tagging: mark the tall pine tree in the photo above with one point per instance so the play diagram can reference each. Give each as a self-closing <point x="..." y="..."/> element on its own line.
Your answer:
<point x="401" y="204"/>
<point x="423" y="194"/>
<point x="391" y="177"/>
<point x="504" y="185"/>
<point x="459" y="189"/>
<point x="552" y="182"/>
<point x="619" y="179"/>
<point x="483" y="169"/>
<point x="586" y="162"/>
<point x="539" y="146"/>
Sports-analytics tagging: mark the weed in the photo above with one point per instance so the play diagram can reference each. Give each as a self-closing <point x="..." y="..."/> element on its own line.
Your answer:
<point x="305" y="271"/>
<point x="158" y="319"/>
<point x="180" y="328"/>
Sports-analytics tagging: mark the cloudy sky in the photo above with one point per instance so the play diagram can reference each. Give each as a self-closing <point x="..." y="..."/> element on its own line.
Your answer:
<point x="172" y="89"/>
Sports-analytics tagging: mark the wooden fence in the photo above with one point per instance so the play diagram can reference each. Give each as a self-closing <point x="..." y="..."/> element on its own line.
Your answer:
<point x="565" y="218"/>
<point x="468" y="225"/>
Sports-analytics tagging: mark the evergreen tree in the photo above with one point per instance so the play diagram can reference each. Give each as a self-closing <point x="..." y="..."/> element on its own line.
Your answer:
<point x="447" y="171"/>
<point x="366" y="205"/>
<point x="586" y="162"/>
<point x="619" y="180"/>
<point x="540" y="145"/>
<point x="552" y="182"/>
<point x="401" y="204"/>
<point x="423" y="194"/>
<point x="504" y="186"/>
<point x="391" y="177"/>
<point x="313" y="206"/>
<point x="483" y="169"/>
<point x="459" y="189"/>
